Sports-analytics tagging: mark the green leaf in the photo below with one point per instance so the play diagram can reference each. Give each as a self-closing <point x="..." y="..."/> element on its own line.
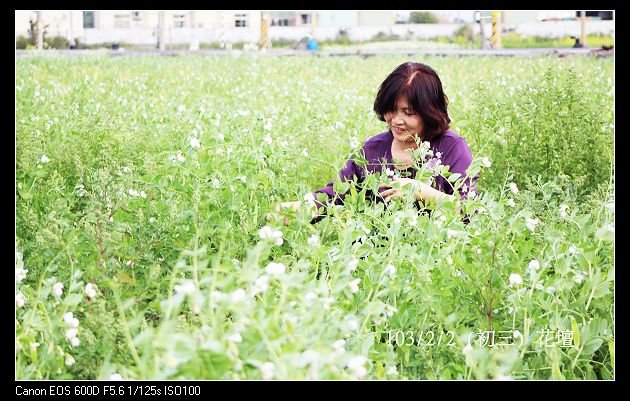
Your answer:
<point x="340" y="187"/>
<point x="605" y="233"/>
<point x="591" y="346"/>
<point x="601" y="289"/>
<point x="611" y="350"/>
<point x="576" y="332"/>
<point x="25" y="195"/>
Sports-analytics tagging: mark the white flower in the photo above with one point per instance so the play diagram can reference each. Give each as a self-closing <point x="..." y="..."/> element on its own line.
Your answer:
<point x="338" y="125"/>
<point x="220" y="137"/>
<point x="267" y="233"/>
<point x="511" y="202"/>
<point x="194" y="142"/>
<point x="71" y="333"/>
<point x="90" y="291"/>
<point x="152" y="220"/>
<point x="186" y="287"/>
<point x="389" y="172"/>
<point x="440" y="220"/>
<point x="20" y="274"/>
<point x="413" y="220"/>
<point x="486" y="162"/>
<point x="275" y="269"/>
<point x="235" y="338"/>
<point x="449" y="260"/>
<point x="531" y="224"/>
<point x="390" y="270"/>
<point x="268" y="140"/>
<point x="313" y="241"/>
<point x="551" y="289"/>
<point x="563" y="211"/>
<point x="356" y="365"/>
<point x="261" y="284"/>
<point x="19" y="300"/>
<point x="267" y="370"/>
<point x="143" y="195"/>
<point x="451" y="233"/>
<point x="216" y="183"/>
<point x="572" y="250"/>
<point x="467" y="348"/>
<point x="354" y="285"/>
<point x="238" y="295"/>
<point x="513" y="188"/>
<point x="75" y="342"/>
<point x="339" y="346"/>
<point x="352" y="265"/>
<point x="69" y="360"/>
<point x="44" y="159"/>
<point x="516" y="334"/>
<point x="392" y="371"/>
<point x="115" y="376"/>
<point x="515" y="279"/>
<point x="534" y="264"/>
<point x="69" y="319"/>
<point x="578" y="278"/>
<point x="57" y="289"/>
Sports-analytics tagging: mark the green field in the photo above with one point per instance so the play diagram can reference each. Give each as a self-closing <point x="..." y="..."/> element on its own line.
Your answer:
<point x="150" y="179"/>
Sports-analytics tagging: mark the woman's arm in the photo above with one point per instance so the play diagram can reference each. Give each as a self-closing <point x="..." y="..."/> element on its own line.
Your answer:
<point x="422" y="192"/>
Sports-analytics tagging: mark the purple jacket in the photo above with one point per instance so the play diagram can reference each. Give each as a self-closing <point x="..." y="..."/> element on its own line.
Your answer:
<point x="451" y="148"/>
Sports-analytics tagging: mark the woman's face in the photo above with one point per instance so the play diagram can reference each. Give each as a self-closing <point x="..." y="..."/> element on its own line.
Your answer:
<point x="403" y="122"/>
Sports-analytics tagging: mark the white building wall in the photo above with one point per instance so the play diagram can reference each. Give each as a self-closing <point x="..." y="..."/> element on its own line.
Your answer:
<point x="218" y="26"/>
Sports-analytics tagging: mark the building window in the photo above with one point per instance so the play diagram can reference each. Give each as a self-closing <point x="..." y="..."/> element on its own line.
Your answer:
<point x="137" y="18"/>
<point x="179" y="20"/>
<point x="306" y="18"/>
<point x="240" y="20"/>
<point x="280" y="22"/>
<point x="122" y="21"/>
<point x="88" y="19"/>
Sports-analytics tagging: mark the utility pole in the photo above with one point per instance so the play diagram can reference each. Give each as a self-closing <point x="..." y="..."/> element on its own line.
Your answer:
<point x="495" y="39"/>
<point x="583" y="28"/>
<point x="70" y="39"/>
<point x="39" y="26"/>
<point x="265" y="42"/>
<point x="161" y="36"/>
<point x="480" y="16"/>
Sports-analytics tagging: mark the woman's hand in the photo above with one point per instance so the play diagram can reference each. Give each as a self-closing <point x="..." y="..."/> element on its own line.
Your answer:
<point x="397" y="191"/>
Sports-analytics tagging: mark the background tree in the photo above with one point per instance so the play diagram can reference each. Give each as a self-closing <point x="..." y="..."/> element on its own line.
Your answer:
<point x="422" y="17"/>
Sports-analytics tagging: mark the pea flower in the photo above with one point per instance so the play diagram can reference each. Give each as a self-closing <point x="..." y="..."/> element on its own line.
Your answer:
<point x="90" y="291"/>
<point x="57" y="289"/>
<point x="267" y="370"/>
<point x="515" y="279"/>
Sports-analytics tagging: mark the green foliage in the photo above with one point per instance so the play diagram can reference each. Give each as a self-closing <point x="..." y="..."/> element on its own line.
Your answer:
<point x="422" y="17"/>
<point x="165" y="206"/>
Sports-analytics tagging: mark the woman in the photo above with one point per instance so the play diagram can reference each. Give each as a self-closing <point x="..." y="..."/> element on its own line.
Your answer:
<point x="413" y="104"/>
